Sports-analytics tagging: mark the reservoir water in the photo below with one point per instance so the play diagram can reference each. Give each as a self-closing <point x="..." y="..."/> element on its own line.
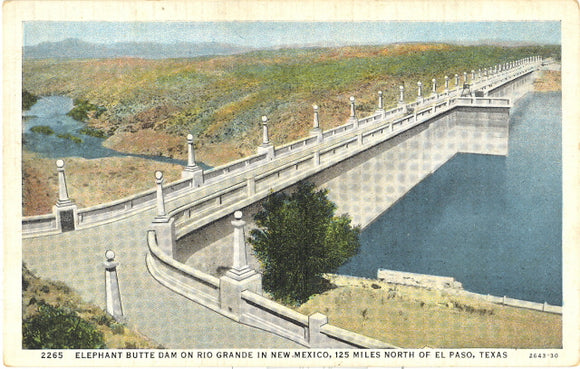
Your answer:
<point x="493" y="223"/>
<point x="51" y="111"/>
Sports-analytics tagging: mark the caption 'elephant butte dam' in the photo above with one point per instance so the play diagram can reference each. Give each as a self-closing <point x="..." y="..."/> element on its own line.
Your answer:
<point x="159" y="249"/>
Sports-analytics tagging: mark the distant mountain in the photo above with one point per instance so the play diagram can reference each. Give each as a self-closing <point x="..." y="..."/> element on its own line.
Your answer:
<point x="77" y="49"/>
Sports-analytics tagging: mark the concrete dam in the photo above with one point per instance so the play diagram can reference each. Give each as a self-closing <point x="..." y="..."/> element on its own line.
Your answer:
<point x="179" y="242"/>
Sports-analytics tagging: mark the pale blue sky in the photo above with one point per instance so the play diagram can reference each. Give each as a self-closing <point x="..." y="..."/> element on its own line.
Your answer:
<point x="269" y="34"/>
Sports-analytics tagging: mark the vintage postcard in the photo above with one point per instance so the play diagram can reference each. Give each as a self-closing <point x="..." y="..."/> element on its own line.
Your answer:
<point x="292" y="183"/>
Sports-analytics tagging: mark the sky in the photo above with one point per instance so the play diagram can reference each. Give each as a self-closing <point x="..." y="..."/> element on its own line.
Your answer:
<point x="272" y="34"/>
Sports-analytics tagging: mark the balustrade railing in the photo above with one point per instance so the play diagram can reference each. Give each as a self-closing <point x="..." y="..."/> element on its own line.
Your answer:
<point x="391" y="120"/>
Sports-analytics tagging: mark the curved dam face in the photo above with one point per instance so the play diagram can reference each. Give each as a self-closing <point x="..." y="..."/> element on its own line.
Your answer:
<point x="368" y="184"/>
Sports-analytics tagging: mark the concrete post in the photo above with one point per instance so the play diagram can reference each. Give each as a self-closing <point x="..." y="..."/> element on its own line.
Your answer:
<point x="240" y="277"/>
<point x="65" y="209"/>
<point x="316" y="158"/>
<point x="160" y="200"/>
<point x="381" y="108"/>
<point x="315" y="322"/>
<point x="265" y="138"/>
<point x="446" y="83"/>
<point x="240" y="261"/>
<point x="163" y="226"/>
<point x="251" y="184"/>
<point x="456" y="80"/>
<point x="62" y="189"/>
<point x="192" y="170"/>
<point x="464" y="77"/>
<point x="472" y="76"/>
<point x="190" y="153"/>
<point x="112" y="291"/>
<point x="316" y="120"/>
<point x="401" y="95"/>
<point x="266" y="147"/>
<point x="353" y="119"/>
<point x="434" y="82"/>
<point x="419" y="91"/>
<point x="316" y="131"/>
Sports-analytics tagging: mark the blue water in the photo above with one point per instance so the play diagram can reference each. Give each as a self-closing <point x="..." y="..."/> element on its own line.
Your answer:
<point x="493" y="223"/>
<point x="51" y="111"/>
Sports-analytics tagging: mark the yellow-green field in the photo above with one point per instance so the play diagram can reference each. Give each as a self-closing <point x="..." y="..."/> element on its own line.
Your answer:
<point x="413" y="317"/>
<point x="220" y="99"/>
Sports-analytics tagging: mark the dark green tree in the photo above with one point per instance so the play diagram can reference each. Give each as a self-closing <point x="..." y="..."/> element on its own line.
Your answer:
<point x="298" y="239"/>
<point x="56" y="328"/>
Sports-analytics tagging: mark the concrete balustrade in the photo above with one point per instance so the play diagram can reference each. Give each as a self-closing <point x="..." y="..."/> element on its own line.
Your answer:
<point x="109" y="212"/>
<point x="434" y="83"/>
<point x="239" y="297"/>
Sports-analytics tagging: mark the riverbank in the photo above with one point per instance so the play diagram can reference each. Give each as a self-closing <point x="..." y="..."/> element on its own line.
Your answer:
<point x="549" y="80"/>
<point x="89" y="181"/>
<point x="415" y="317"/>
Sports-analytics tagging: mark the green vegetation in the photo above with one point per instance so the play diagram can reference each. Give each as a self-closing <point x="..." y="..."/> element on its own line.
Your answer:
<point x="298" y="239"/>
<point x="57" y="328"/>
<point x="220" y="99"/>
<point x="45" y="130"/>
<point x="82" y="108"/>
<point x="89" y="131"/>
<point x="28" y="100"/>
<point x="68" y="136"/>
<point x="55" y="317"/>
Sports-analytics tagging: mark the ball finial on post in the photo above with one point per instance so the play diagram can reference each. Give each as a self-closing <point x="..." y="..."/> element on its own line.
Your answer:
<point x="160" y="200"/>
<point x="352" y="107"/>
<point x="401" y="96"/>
<point x="316" y="122"/>
<point x="62" y="187"/>
<point x="381" y="106"/>
<point x="265" y="138"/>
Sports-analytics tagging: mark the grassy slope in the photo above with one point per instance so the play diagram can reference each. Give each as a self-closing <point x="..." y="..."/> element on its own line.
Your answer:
<point x="414" y="317"/>
<point x="58" y="294"/>
<point x="221" y="99"/>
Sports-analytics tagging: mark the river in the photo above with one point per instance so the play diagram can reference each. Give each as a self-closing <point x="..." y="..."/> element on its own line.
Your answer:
<point x="51" y="111"/>
<point x="493" y="223"/>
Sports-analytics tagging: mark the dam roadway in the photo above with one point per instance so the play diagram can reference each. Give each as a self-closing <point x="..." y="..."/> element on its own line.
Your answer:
<point x="172" y="320"/>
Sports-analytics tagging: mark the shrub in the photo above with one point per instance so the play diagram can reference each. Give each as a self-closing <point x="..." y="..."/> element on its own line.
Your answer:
<point x="45" y="130"/>
<point x="56" y="328"/>
<point x="68" y="136"/>
<point x="89" y="131"/>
